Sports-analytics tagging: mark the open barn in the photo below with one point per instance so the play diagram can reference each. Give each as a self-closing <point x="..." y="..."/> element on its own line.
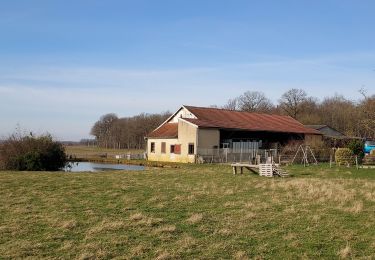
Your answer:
<point x="193" y="132"/>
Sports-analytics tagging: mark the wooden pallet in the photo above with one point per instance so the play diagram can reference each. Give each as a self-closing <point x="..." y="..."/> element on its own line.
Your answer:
<point x="266" y="170"/>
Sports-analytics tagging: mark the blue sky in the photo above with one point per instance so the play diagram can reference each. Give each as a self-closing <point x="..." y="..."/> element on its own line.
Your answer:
<point x="63" y="64"/>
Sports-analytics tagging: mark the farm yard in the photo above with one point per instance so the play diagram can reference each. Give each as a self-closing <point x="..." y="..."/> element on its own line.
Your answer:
<point x="194" y="211"/>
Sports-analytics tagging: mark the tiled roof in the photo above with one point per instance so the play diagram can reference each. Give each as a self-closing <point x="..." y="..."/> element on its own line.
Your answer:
<point x="168" y="130"/>
<point x="228" y="119"/>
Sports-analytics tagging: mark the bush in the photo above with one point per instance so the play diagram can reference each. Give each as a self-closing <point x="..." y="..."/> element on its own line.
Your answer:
<point x="356" y="146"/>
<point x="32" y="153"/>
<point x="344" y="156"/>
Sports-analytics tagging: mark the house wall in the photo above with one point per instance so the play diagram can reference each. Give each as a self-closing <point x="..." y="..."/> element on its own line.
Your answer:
<point x="183" y="113"/>
<point x="187" y="134"/>
<point x="157" y="155"/>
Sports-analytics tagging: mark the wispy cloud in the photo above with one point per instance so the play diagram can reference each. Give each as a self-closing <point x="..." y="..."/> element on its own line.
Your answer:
<point x="67" y="100"/>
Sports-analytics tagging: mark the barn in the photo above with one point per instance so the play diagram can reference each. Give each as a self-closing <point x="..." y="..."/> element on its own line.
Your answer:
<point x="193" y="132"/>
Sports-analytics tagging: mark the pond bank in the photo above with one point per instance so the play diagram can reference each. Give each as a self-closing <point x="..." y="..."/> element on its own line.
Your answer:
<point x="128" y="162"/>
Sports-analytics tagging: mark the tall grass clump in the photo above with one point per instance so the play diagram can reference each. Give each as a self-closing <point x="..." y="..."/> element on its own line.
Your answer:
<point x="344" y="156"/>
<point x="22" y="152"/>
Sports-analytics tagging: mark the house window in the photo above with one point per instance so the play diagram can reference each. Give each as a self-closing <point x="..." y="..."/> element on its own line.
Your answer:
<point x="163" y="147"/>
<point x="152" y="149"/>
<point x="172" y="148"/>
<point x="191" y="149"/>
<point x="177" y="149"/>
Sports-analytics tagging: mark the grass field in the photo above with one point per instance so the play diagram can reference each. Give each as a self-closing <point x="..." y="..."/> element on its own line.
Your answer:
<point x="82" y="151"/>
<point x="196" y="211"/>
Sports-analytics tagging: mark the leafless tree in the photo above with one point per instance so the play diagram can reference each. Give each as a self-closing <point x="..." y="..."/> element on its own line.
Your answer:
<point x="127" y="132"/>
<point x="254" y="101"/>
<point x="291" y="101"/>
<point x="102" y="129"/>
<point x="367" y="109"/>
<point x="309" y="111"/>
<point x="232" y="104"/>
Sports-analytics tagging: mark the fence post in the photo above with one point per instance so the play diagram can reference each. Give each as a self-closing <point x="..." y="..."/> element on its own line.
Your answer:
<point x="356" y="162"/>
<point x="330" y="161"/>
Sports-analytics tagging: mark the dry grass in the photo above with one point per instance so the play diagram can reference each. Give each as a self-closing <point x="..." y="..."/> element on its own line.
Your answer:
<point x="345" y="252"/>
<point x="195" y="218"/>
<point x="192" y="212"/>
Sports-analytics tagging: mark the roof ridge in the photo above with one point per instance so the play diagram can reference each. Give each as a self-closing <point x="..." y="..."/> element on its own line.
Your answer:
<point x="237" y="111"/>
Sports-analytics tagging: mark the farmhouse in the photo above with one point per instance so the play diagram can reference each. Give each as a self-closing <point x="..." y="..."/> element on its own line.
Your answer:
<point x="192" y="132"/>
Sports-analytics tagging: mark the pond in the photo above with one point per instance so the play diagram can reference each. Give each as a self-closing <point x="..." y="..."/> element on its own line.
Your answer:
<point x="98" y="167"/>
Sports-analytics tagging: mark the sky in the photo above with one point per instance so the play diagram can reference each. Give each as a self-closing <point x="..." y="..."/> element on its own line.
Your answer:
<point x="63" y="64"/>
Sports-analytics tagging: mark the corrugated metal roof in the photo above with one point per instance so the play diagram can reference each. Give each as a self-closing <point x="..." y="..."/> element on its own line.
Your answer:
<point x="168" y="130"/>
<point x="228" y="119"/>
<point x="327" y="130"/>
<point x="316" y="127"/>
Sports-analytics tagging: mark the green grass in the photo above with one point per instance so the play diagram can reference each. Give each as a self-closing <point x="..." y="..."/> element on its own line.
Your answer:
<point x="196" y="211"/>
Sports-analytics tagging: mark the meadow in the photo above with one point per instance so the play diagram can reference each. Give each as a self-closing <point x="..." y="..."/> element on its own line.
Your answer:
<point x="195" y="211"/>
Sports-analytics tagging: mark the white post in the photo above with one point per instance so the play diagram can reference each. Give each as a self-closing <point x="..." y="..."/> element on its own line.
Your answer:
<point x="330" y="161"/>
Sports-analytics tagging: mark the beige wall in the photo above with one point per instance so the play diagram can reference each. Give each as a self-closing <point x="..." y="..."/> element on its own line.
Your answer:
<point x="187" y="134"/>
<point x="208" y="138"/>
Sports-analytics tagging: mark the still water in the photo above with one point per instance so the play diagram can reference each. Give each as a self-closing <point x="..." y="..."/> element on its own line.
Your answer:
<point x="98" y="167"/>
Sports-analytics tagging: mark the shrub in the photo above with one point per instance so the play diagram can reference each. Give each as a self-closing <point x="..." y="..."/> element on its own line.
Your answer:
<point x="32" y="153"/>
<point x="344" y="156"/>
<point x="356" y="146"/>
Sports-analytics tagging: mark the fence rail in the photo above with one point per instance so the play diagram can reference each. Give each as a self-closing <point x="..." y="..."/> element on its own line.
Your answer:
<point x="227" y="155"/>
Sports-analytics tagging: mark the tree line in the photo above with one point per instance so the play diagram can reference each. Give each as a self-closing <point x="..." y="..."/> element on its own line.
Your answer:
<point x="353" y="118"/>
<point x="110" y="131"/>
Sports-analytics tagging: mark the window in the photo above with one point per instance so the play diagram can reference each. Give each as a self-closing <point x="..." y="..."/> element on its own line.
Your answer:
<point x="152" y="149"/>
<point x="163" y="147"/>
<point x="172" y="148"/>
<point x="191" y="149"/>
<point x="177" y="149"/>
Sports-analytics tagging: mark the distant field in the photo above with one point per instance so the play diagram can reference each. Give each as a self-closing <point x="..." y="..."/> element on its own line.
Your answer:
<point x="82" y="151"/>
<point x="196" y="211"/>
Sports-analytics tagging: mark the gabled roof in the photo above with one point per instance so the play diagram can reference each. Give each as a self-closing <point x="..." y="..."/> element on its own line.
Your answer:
<point x="327" y="130"/>
<point x="233" y="120"/>
<point x="246" y="121"/>
<point x="167" y="130"/>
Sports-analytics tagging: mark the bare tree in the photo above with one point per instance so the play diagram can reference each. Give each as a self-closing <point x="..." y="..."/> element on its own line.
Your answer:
<point x="102" y="129"/>
<point x="232" y="104"/>
<point x="291" y="101"/>
<point x="254" y="101"/>
<point x="128" y="132"/>
<point x="309" y="114"/>
<point x="341" y="114"/>
<point x="367" y="109"/>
